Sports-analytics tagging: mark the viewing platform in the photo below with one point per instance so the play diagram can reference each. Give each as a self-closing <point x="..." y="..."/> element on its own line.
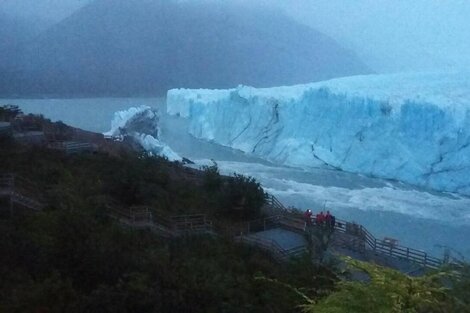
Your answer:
<point x="73" y="147"/>
<point x="5" y="129"/>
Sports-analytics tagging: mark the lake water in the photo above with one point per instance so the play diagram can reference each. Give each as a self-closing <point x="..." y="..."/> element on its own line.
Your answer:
<point x="89" y="114"/>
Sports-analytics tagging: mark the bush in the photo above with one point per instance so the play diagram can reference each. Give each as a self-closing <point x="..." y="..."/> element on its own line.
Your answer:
<point x="388" y="291"/>
<point x="212" y="181"/>
<point x="244" y="196"/>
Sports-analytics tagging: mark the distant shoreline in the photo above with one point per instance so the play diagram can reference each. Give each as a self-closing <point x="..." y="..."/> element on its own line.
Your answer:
<point x="54" y="97"/>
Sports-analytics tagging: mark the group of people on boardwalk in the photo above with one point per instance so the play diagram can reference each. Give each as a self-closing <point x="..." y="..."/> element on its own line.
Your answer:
<point x="320" y="219"/>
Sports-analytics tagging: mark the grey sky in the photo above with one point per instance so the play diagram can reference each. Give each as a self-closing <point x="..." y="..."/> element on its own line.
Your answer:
<point x="389" y="35"/>
<point x="394" y="35"/>
<point x="53" y="10"/>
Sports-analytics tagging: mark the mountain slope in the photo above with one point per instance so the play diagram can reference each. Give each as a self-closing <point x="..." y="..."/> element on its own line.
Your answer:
<point x="14" y="32"/>
<point x="140" y="46"/>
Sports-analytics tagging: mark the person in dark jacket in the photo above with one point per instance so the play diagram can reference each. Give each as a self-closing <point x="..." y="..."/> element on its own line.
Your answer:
<point x="328" y="218"/>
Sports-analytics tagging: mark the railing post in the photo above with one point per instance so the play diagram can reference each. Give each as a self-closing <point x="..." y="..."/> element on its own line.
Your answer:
<point x="12" y="182"/>
<point x="264" y="224"/>
<point x="425" y="259"/>
<point x="11" y="204"/>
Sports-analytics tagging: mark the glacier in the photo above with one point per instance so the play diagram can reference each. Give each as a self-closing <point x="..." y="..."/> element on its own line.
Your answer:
<point x="142" y="125"/>
<point x="409" y="127"/>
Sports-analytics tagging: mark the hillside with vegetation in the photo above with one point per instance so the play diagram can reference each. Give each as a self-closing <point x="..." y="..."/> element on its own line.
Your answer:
<point x="73" y="256"/>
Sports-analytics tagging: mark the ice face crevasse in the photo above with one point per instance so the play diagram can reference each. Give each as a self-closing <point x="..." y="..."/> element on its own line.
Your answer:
<point x="410" y="127"/>
<point x="141" y="123"/>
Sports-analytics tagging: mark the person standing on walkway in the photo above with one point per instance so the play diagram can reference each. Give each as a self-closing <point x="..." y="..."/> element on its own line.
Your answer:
<point x="328" y="219"/>
<point x="321" y="219"/>
<point x="308" y="217"/>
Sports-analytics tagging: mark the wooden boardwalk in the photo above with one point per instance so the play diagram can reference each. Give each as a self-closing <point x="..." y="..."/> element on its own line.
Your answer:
<point x="164" y="225"/>
<point x="73" y="147"/>
<point x="277" y="233"/>
<point x="356" y="238"/>
<point x="282" y="235"/>
<point x="20" y="193"/>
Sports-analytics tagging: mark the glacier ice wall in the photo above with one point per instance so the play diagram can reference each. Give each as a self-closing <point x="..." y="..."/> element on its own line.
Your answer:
<point x="414" y="127"/>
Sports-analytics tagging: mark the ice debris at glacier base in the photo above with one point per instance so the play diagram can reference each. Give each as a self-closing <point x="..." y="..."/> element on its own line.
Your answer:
<point x="141" y="123"/>
<point x="410" y="127"/>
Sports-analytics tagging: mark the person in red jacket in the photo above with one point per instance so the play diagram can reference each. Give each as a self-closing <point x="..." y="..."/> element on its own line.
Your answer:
<point x="322" y="218"/>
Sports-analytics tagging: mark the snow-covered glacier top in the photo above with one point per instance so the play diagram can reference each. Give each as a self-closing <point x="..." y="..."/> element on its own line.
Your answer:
<point x="410" y="127"/>
<point x="446" y="90"/>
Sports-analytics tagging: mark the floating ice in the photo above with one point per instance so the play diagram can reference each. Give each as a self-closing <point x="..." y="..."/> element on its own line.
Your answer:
<point x="141" y="123"/>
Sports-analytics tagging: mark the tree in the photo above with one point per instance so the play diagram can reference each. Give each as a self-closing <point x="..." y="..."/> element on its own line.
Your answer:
<point x="244" y="196"/>
<point x="212" y="180"/>
<point x="9" y="112"/>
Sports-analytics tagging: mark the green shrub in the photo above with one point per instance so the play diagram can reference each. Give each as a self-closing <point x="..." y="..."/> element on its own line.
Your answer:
<point x="212" y="180"/>
<point x="387" y="291"/>
<point x="244" y="197"/>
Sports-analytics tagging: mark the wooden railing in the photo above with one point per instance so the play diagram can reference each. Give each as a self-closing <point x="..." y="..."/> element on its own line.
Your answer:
<point x="71" y="147"/>
<point x="191" y="223"/>
<point x="261" y="224"/>
<point x="138" y="215"/>
<point x="141" y="214"/>
<point x="20" y="190"/>
<point x="242" y="233"/>
<point x="370" y="242"/>
<point x="393" y="249"/>
<point x="144" y="216"/>
<point x="7" y="181"/>
<point x="276" y="207"/>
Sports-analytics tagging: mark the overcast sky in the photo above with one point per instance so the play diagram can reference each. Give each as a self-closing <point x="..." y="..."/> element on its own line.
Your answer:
<point x="53" y="10"/>
<point x="395" y="35"/>
<point x="388" y="35"/>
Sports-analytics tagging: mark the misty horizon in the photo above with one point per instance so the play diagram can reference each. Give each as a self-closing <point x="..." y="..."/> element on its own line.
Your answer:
<point x="388" y="36"/>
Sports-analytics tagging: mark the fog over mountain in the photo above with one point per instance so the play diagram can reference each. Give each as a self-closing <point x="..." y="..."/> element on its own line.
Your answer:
<point x="393" y="35"/>
<point x="145" y="47"/>
<point x="16" y="31"/>
<point x="387" y="35"/>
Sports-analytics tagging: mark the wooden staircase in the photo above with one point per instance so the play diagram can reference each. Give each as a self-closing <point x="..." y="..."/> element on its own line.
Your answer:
<point x="279" y="253"/>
